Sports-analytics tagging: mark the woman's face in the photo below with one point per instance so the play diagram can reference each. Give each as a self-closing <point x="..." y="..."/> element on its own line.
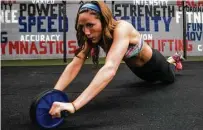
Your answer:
<point x="91" y="26"/>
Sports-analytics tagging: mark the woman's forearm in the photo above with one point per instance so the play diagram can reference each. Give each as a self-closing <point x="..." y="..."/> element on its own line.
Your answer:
<point x="67" y="76"/>
<point x="101" y="80"/>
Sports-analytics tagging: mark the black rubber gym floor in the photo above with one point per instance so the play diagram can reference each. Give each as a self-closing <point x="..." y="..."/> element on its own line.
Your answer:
<point x="127" y="103"/>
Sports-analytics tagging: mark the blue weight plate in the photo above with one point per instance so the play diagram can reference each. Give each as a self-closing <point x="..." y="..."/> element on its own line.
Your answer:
<point x="42" y="106"/>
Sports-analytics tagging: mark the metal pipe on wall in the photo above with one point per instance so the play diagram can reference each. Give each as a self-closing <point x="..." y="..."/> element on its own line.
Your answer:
<point x="184" y="31"/>
<point x="64" y="32"/>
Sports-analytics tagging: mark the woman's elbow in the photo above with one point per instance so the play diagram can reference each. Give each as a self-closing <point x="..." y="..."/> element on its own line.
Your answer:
<point x="110" y="71"/>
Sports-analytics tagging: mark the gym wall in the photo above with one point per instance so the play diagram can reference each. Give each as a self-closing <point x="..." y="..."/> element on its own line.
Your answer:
<point x="35" y="31"/>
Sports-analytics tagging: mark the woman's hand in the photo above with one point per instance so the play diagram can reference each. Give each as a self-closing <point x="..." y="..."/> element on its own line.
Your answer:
<point x="57" y="107"/>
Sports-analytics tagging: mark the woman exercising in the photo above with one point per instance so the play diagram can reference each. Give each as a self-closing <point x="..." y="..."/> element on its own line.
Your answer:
<point x="96" y="27"/>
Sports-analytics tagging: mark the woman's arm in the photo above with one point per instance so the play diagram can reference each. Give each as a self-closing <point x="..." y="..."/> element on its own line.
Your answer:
<point x="72" y="69"/>
<point x="108" y="71"/>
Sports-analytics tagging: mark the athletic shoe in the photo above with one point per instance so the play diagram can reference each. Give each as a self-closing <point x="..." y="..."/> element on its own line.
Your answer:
<point x="178" y="57"/>
<point x="178" y="60"/>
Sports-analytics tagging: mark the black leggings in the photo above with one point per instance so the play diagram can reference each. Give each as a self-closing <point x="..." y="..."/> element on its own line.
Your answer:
<point x="156" y="69"/>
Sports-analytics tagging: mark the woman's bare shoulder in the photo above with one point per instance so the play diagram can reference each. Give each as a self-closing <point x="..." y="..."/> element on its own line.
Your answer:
<point x="123" y="23"/>
<point x="126" y="27"/>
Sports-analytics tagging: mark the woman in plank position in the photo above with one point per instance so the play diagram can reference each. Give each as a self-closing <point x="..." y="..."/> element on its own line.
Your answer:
<point x="96" y="27"/>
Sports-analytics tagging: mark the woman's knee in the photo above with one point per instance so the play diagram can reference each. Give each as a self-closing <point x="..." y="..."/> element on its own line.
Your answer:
<point x="170" y="78"/>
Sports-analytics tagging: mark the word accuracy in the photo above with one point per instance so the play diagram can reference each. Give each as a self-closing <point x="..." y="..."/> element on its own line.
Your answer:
<point x="39" y="38"/>
<point x="192" y="17"/>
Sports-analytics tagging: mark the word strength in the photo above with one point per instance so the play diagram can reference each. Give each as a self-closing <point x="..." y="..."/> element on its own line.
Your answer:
<point x="192" y="17"/>
<point x="150" y="2"/>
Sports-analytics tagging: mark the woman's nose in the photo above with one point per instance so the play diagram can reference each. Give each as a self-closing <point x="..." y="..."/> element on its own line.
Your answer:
<point x="86" y="31"/>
